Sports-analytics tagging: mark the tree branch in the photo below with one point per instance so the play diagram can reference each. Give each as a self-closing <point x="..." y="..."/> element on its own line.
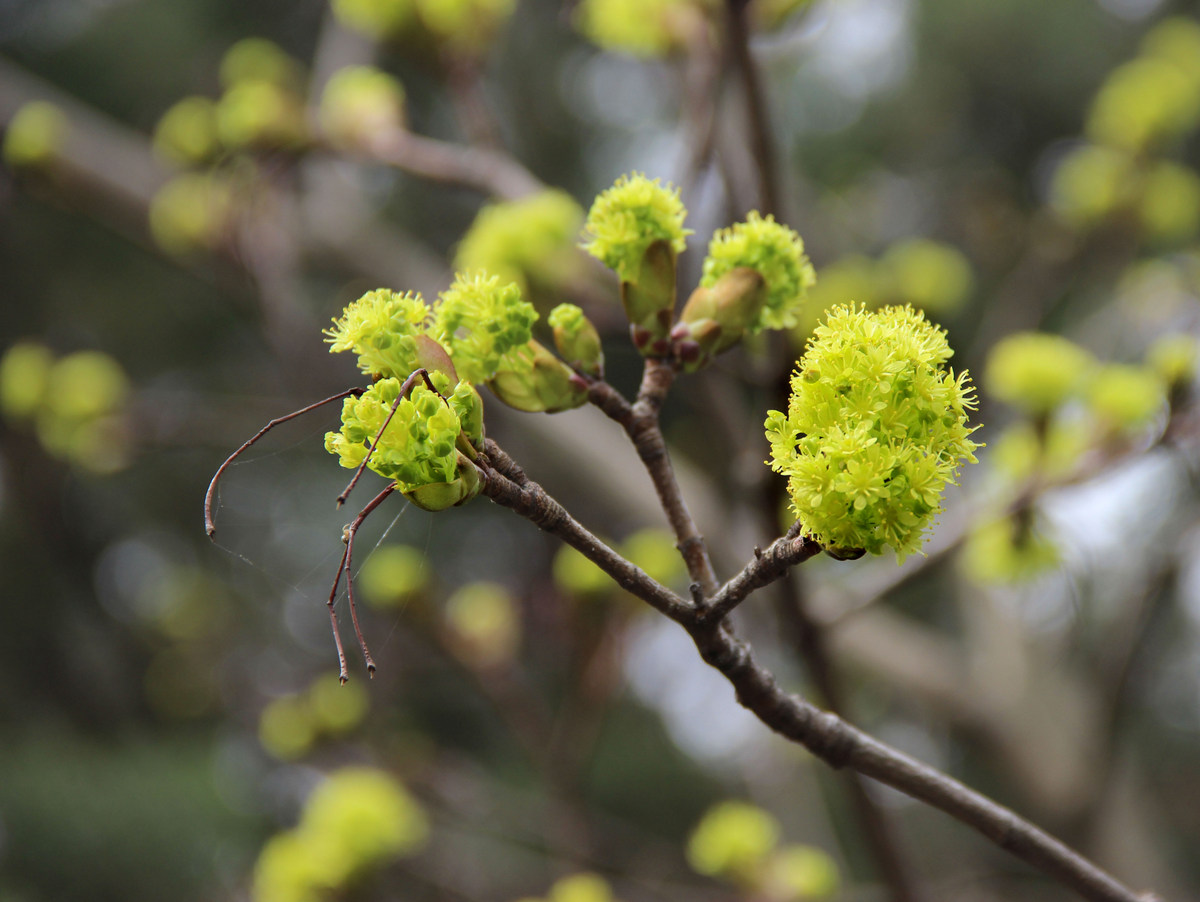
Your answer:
<point x="781" y="555"/>
<point x="824" y="734"/>
<point x="738" y="43"/>
<point x="640" y="422"/>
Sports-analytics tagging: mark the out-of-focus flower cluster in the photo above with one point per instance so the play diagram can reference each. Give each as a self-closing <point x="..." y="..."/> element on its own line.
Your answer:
<point x="76" y="404"/>
<point x="356" y="821"/>
<point x="739" y="843"/>
<point x="1073" y="406"/>
<point x="1139" y="117"/>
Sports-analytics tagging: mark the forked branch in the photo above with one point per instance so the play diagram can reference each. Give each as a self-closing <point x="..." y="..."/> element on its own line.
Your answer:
<point x="824" y="734"/>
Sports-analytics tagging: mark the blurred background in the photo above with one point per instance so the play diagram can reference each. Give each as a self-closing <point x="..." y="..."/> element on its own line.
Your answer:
<point x="191" y="190"/>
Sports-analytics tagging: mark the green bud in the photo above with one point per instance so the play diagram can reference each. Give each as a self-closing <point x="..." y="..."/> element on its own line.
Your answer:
<point x="636" y="228"/>
<point x="577" y="339"/>
<point x="547" y="385"/>
<point x="717" y="317"/>
<point x="438" y="496"/>
<point x="468" y="407"/>
<point x="649" y="301"/>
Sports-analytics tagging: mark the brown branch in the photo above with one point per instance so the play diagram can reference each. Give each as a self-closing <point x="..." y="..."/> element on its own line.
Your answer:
<point x="824" y="734"/>
<point x="531" y="502"/>
<point x="767" y="566"/>
<point x="640" y="422"/>
<point x="809" y="640"/>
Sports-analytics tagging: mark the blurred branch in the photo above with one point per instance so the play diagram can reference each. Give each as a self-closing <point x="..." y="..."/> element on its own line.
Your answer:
<point x="760" y="138"/>
<point x="488" y="171"/>
<point x="824" y="734"/>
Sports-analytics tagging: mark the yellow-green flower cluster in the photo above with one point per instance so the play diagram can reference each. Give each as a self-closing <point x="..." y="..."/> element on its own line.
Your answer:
<point x="1125" y="398"/>
<point x="776" y="253"/>
<point x="392" y="575"/>
<point x="630" y="216"/>
<point x="76" y="404"/>
<point x="1174" y="358"/>
<point x="358" y="820"/>
<point x="192" y="212"/>
<point x="478" y="324"/>
<point x="739" y="842"/>
<point x="484" y="624"/>
<point x="420" y="449"/>
<point x="526" y="240"/>
<point x="929" y="275"/>
<point x="875" y="429"/>
<point x="482" y="323"/>
<point x="381" y="327"/>
<point x="1155" y="97"/>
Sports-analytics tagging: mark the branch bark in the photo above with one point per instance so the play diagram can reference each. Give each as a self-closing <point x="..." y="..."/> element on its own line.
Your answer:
<point x="824" y="734"/>
<point x="641" y="423"/>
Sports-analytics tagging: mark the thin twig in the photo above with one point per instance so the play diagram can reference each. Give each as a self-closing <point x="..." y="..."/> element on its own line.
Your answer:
<point x="344" y="567"/>
<point x="531" y="502"/>
<point x="209" y="527"/>
<point x="767" y="566"/>
<point x="824" y="734"/>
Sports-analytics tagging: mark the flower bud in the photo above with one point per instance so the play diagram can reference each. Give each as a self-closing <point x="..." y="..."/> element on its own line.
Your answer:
<point x="438" y="496"/>
<point x="649" y="301"/>
<point x="636" y="228"/>
<point x="547" y="385"/>
<point x="577" y="340"/>
<point x="468" y="407"/>
<point x="717" y="317"/>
